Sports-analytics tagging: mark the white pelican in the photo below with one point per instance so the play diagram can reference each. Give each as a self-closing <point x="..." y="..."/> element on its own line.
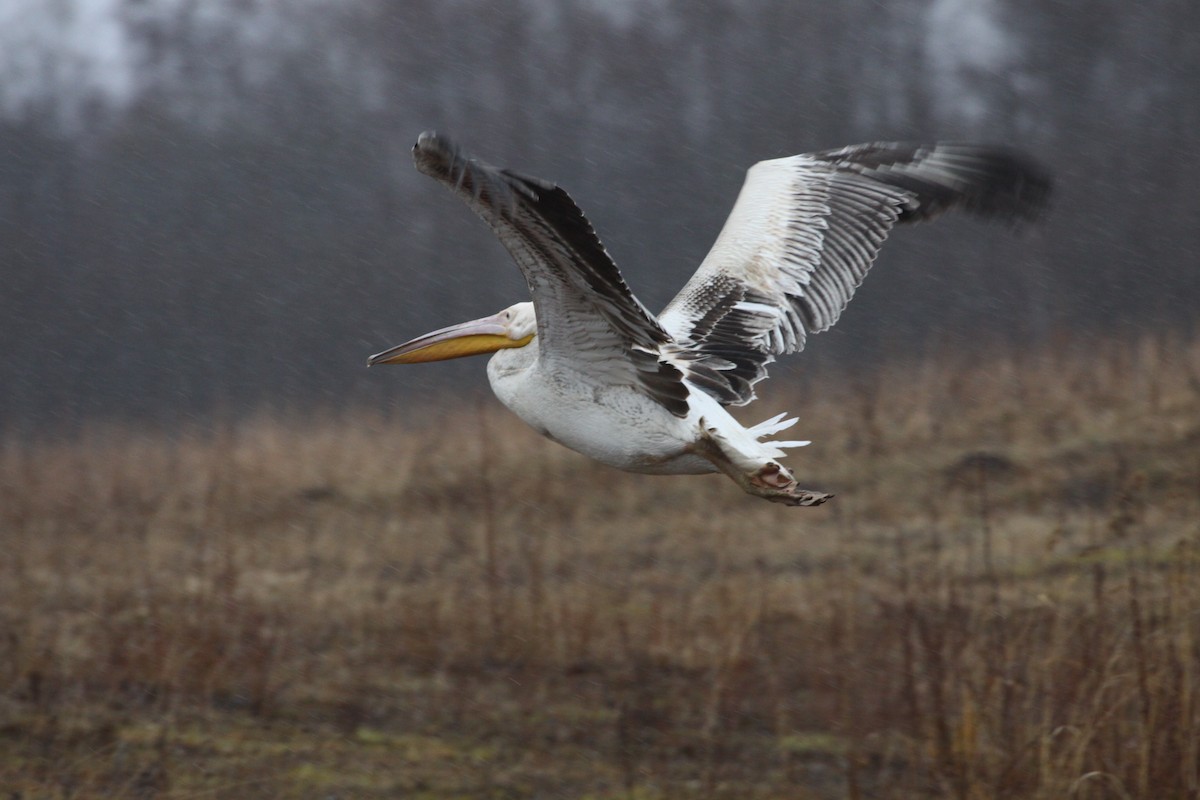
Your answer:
<point x="587" y="365"/>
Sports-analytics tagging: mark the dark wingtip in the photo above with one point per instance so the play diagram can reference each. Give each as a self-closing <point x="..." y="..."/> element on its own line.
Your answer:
<point x="1020" y="187"/>
<point x="431" y="140"/>
<point x="434" y="153"/>
<point x="997" y="182"/>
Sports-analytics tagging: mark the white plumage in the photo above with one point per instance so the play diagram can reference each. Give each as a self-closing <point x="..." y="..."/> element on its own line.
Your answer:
<point x="587" y="364"/>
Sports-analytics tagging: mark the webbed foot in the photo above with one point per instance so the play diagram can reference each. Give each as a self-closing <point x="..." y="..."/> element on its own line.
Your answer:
<point x="776" y="484"/>
<point x="770" y="480"/>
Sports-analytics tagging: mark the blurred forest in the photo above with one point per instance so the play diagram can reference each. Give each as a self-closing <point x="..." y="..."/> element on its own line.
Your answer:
<point x="207" y="207"/>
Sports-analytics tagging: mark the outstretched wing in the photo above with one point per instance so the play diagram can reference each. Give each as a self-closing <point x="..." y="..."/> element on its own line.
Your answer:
<point x="802" y="235"/>
<point x="588" y="319"/>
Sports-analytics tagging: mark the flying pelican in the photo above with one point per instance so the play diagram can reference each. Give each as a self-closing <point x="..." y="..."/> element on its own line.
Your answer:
<point x="588" y="366"/>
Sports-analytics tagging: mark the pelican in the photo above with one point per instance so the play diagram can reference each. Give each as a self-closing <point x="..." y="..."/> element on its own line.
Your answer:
<point x="588" y="366"/>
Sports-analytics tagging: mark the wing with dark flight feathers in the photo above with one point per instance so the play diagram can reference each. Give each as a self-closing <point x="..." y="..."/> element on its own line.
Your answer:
<point x="802" y="235"/>
<point x="588" y="319"/>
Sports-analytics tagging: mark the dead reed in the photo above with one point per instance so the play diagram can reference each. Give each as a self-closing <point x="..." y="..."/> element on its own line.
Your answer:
<point x="1002" y="602"/>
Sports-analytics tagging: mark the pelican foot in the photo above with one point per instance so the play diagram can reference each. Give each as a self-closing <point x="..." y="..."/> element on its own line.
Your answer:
<point x="802" y="497"/>
<point x="772" y="476"/>
<point x="776" y="484"/>
<point x="768" y="480"/>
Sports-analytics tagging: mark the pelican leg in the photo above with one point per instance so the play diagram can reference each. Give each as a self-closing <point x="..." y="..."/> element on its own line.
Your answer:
<point x="763" y="478"/>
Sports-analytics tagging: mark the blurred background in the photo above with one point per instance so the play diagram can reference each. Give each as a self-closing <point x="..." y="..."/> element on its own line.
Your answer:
<point x="208" y="206"/>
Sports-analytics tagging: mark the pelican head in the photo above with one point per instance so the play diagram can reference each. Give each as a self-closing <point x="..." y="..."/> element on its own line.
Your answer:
<point x="515" y="326"/>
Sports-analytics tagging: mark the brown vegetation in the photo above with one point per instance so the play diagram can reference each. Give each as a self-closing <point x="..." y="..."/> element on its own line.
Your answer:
<point x="1002" y="601"/>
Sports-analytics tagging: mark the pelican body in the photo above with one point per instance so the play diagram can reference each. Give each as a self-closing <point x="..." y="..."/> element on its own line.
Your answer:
<point x="587" y="365"/>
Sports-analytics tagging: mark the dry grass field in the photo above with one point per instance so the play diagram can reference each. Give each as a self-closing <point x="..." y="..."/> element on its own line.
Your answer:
<point x="1003" y="601"/>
